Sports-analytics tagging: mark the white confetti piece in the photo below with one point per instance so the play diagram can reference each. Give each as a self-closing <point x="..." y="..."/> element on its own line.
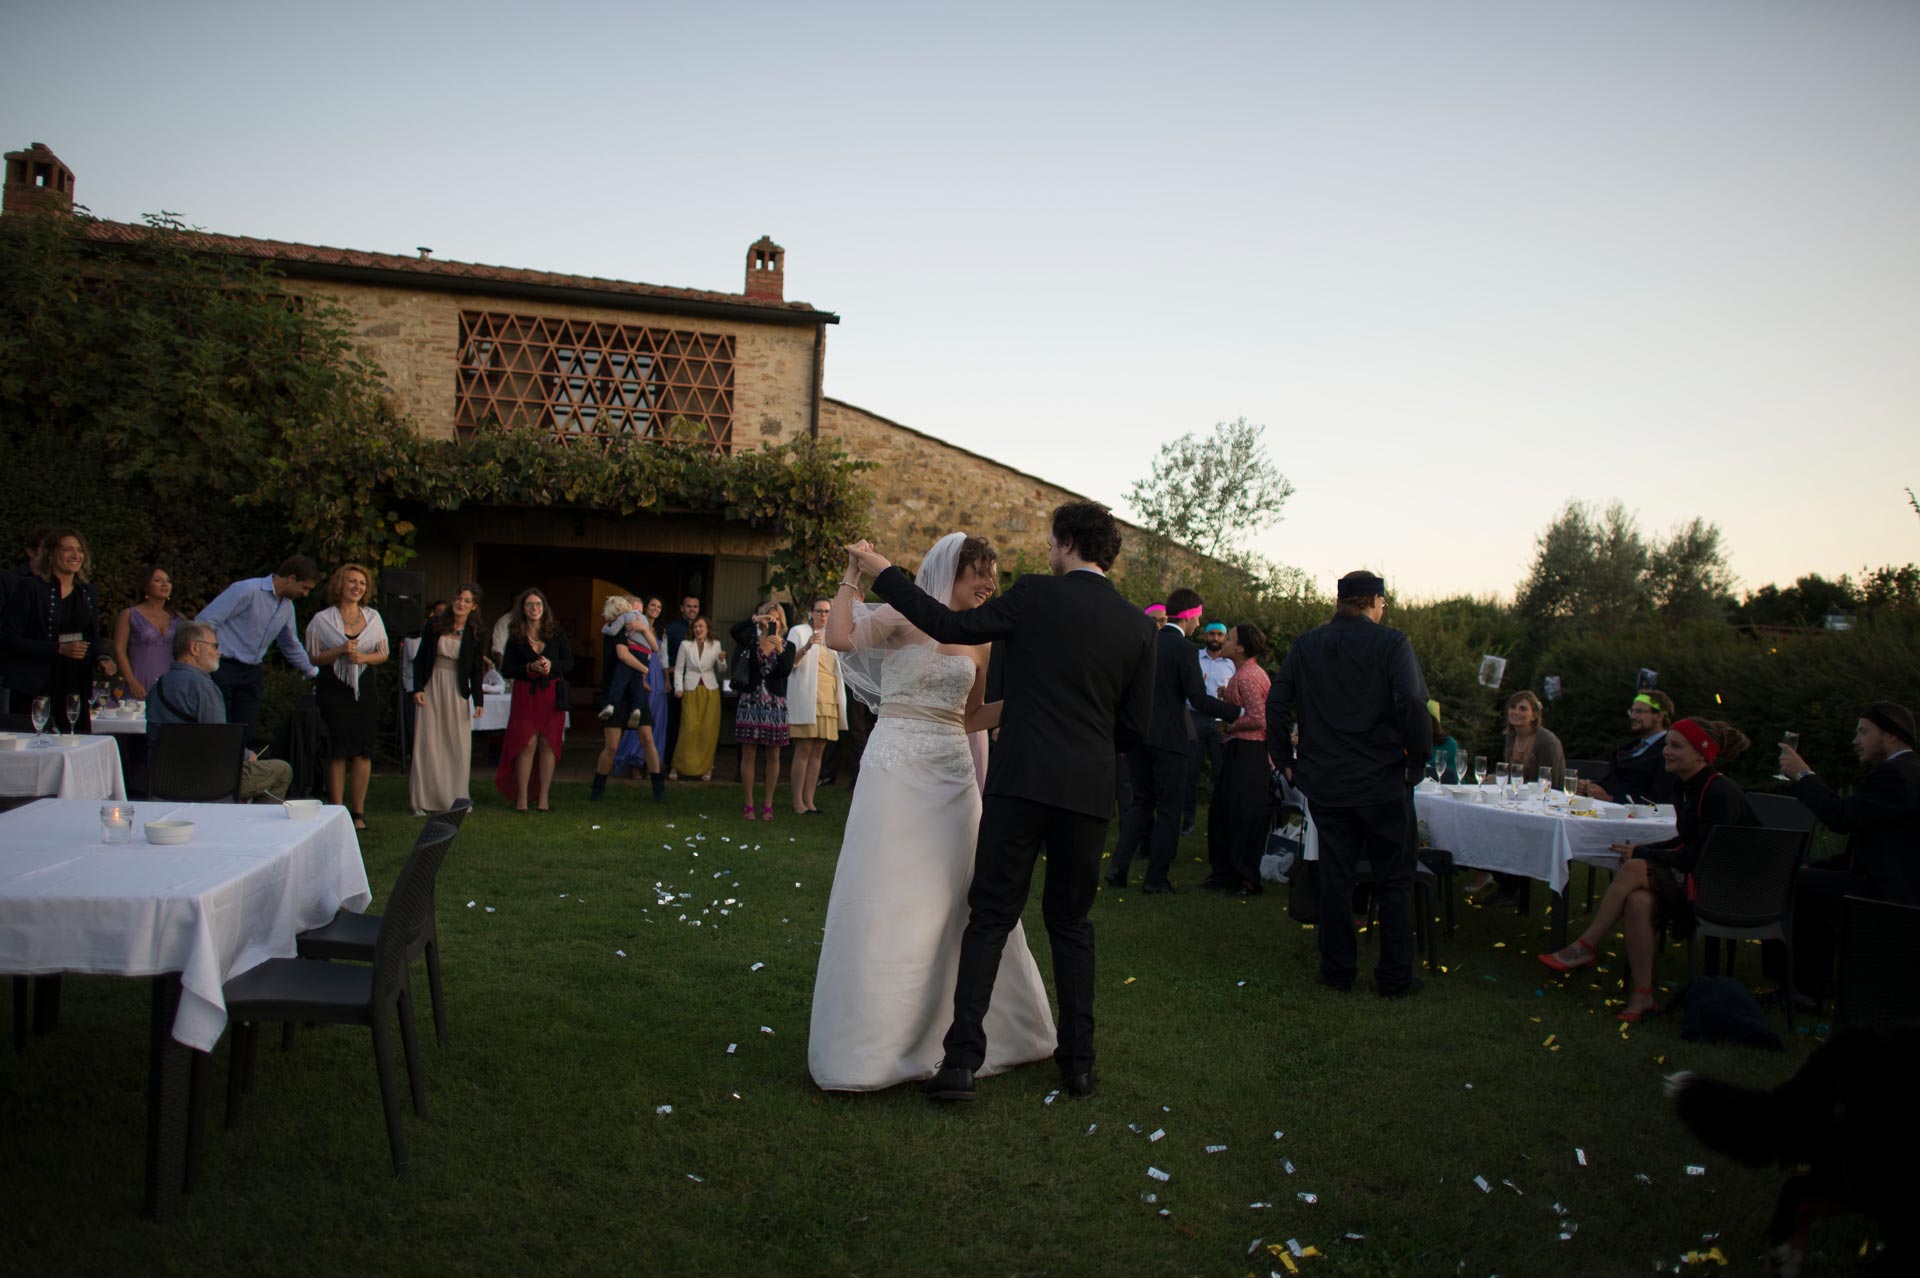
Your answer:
<point x="757" y="966"/>
<point x="1149" y="1197"/>
<point x="1481" y="1181"/>
<point x="1580" y="1156"/>
<point x="1278" y="1135"/>
<point x="1158" y="1175"/>
<point x="1515" y="1188"/>
<point x="696" y="1179"/>
<point x="1354" y="1237"/>
<point x="731" y="1047"/>
<point x="1308" y="1199"/>
<point x="596" y="827"/>
<point x="489" y="909"/>
<point x="471" y="904"/>
<point x="1257" y="1207"/>
<point x="1293" y="1245"/>
<point x="1694" y="1169"/>
<point x="1134" y="1128"/>
<point x="1238" y="984"/>
<point x="1164" y="1214"/>
<point x="621" y="953"/>
<point x="1643" y="1178"/>
<point x="736" y="1095"/>
<point x="1052" y="1096"/>
<point x="766" y="1029"/>
<point x="1216" y="1149"/>
<point x="1092" y="1128"/>
<point x="663" y="1109"/>
<point x="1286" y="1165"/>
<point x="1158" y="1134"/>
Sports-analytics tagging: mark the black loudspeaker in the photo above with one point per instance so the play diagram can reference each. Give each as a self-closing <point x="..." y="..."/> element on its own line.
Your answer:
<point x="403" y="602"/>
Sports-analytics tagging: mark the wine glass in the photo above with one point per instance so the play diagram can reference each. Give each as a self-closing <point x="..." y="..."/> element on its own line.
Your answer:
<point x="73" y="712"/>
<point x="1571" y="783"/>
<point x="1501" y="775"/>
<point x="1479" y="769"/>
<point x="41" y="710"/>
<point x="1788" y="741"/>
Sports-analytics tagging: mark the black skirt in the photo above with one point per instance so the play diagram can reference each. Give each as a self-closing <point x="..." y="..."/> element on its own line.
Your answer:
<point x="1669" y="888"/>
<point x="353" y="725"/>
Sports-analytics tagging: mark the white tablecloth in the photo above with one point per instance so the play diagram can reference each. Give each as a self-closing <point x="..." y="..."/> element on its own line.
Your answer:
<point x="1530" y="839"/>
<point x="493" y="715"/>
<point x="120" y="725"/>
<point x="87" y="770"/>
<point x="210" y="909"/>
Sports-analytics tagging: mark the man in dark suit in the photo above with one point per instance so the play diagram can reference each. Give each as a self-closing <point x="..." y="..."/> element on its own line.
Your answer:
<point x="1881" y="819"/>
<point x="1364" y="736"/>
<point x="1638" y="768"/>
<point x="1078" y="673"/>
<point x="1158" y="766"/>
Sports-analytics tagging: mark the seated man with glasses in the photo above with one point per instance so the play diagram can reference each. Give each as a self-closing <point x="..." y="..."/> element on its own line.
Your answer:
<point x="186" y="693"/>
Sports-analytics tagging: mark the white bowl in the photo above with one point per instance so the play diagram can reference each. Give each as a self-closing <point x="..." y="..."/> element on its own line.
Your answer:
<point x="1639" y="811"/>
<point x="302" y="809"/>
<point x="169" y="832"/>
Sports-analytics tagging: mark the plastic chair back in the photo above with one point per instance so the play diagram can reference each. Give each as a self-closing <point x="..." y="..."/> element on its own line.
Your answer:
<point x="404" y="913"/>
<point x="1590" y="769"/>
<point x="197" y="762"/>
<point x="1784" y="812"/>
<point x="1744" y="877"/>
<point x="1879" y="978"/>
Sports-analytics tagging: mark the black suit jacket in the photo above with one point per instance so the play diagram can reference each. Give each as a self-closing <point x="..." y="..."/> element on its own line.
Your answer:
<point x="30" y="631"/>
<point x="1078" y="673"/>
<point x="1178" y="684"/>
<point x="468" y="672"/>
<point x="1881" y="820"/>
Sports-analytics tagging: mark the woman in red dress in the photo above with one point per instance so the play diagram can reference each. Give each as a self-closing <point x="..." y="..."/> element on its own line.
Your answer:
<point x="536" y="661"/>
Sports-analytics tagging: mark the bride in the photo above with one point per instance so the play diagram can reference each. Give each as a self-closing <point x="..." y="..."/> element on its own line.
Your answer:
<point x="884" y="992"/>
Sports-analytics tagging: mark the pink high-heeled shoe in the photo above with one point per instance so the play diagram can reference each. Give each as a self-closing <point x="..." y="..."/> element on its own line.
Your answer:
<point x="747" y="812"/>
<point x="766" y="812"/>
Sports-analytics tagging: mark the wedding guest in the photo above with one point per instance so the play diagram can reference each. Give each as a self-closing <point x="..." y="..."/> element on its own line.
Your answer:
<point x="185" y="694"/>
<point x="673" y="634"/>
<point x="1651" y="885"/>
<point x="1240" y="815"/>
<point x="1445" y="759"/>
<point x="11" y="576"/>
<point x="536" y="661"/>
<point x="816" y="703"/>
<point x="659" y="679"/>
<point x="1881" y="819"/>
<point x="448" y="675"/>
<point x="1364" y="728"/>
<point x="696" y="690"/>
<point x="1157" y="614"/>
<point x="345" y="639"/>
<point x="1204" y="743"/>
<point x="409" y="653"/>
<point x="143" y="634"/>
<point x="250" y="616"/>
<point x="627" y="649"/>
<point x="497" y="640"/>
<point x="1637" y="769"/>
<point x="1158" y="768"/>
<point x="1529" y="749"/>
<point x="760" y="717"/>
<point x="51" y="632"/>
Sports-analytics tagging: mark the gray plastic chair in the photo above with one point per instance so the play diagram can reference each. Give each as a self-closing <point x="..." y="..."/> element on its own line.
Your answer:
<point x="1784" y="812"/>
<point x="1743" y="888"/>
<point x="348" y="994"/>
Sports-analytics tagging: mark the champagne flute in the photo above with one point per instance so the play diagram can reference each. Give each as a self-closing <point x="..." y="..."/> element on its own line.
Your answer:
<point x="73" y="712"/>
<point x="1788" y="741"/>
<point x="1501" y="775"/>
<point x="1479" y="769"/>
<point x="41" y="710"/>
<point x="1572" y="783"/>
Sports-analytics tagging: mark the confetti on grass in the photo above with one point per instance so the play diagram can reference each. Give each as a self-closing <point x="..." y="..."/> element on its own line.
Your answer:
<point x="1159" y="1175"/>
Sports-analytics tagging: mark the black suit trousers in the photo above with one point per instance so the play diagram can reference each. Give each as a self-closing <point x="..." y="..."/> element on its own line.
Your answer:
<point x="1240" y="815"/>
<point x="1207" y="747"/>
<point x="240" y="685"/>
<point x="1013" y="833"/>
<point x="1152" y="821"/>
<point x="1376" y="834"/>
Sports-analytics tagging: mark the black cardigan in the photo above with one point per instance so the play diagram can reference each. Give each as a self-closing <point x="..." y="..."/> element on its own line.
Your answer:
<point x="468" y="672"/>
<point x="513" y="665"/>
<point x="774" y="675"/>
<point x="1706" y="801"/>
<point x="31" y="631"/>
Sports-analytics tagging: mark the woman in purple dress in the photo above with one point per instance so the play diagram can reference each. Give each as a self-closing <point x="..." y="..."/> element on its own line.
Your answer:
<point x="143" y="634"/>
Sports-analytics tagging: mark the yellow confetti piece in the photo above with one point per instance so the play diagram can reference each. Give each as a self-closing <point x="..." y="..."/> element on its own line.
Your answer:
<point x="1554" y="1048"/>
<point x="1534" y="1019"/>
<point x="1718" y="702"/>
<point x="1309" y="1251"/>
<point x="1499" y="945"/>
<point x="1549" y="1042"/>
<point x="1286" y="1262"/>
<point x="1443" y="969"/>
<point x="1659" y="1060"/>
<point x="1130" y="980"/>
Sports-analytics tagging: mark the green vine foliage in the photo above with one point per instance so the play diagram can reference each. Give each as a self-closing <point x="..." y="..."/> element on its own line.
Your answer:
<point x="185" y="407"/>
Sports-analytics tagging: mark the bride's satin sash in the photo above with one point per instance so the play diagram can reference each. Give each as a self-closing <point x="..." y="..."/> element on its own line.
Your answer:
<point x="930" y="714"/>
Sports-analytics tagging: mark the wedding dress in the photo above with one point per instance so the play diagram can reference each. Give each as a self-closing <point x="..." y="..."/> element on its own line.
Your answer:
<point x="883" y="996"/>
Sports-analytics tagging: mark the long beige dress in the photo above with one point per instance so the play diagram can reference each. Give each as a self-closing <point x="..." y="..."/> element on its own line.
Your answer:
<point x="443" y="735"/>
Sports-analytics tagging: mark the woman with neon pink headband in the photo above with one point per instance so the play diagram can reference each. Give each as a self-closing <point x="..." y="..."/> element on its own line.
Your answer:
<point x="1652" y="884"/>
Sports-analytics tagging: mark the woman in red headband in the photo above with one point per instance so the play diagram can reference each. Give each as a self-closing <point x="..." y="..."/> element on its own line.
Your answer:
<point x="1652" y="884"/>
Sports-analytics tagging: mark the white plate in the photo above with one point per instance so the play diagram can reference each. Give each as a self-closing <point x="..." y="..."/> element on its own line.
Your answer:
<point x="169" y="832"/>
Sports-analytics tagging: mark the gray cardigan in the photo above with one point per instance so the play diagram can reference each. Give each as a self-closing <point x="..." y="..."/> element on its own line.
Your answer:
<point x="1547" y="752"/>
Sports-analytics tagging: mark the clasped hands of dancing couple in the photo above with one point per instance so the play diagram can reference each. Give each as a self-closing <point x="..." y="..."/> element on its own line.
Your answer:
<point x="923" y="926"/>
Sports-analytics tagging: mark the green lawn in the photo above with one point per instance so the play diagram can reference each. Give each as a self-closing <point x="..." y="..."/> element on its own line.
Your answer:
<point x="544" y="1152"/>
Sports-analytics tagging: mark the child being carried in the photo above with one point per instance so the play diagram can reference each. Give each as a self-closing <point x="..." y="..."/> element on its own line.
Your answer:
<point x="627" y="687"/>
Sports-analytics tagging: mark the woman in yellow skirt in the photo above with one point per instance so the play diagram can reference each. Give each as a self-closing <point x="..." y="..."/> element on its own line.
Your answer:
<point x="816" y="703"/>
<point x="696" y="682"/>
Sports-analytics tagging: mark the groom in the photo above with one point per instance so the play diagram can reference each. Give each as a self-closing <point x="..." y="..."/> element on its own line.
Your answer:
<point x="1078" y="674"/>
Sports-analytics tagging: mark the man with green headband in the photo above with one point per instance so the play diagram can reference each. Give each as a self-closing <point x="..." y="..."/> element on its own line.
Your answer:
<point x="1638" y="769"/>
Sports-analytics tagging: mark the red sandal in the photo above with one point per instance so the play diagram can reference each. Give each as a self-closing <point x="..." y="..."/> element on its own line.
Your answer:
<point x="1634" y="1018"/>
<point x="1561" y="965"/>
<point x="747" y="812"/>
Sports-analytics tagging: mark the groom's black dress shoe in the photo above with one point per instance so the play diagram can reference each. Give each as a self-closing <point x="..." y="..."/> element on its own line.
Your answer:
<point x="1157" y="889"/>
<point x="1114" y="880"/>
<point x="1080" y="1084"/>
<point x="951" y="1084"/>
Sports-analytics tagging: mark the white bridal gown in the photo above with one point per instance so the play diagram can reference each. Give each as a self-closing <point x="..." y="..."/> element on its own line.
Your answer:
<point x="883" y="997"/>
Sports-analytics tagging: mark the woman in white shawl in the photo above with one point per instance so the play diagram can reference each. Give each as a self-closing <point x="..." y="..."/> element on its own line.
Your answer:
<point x="883" y="994"/>
<point x="343" y="639"/>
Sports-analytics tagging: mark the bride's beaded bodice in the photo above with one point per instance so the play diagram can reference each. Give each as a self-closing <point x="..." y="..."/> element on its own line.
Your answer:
<point x="925" y="677"/>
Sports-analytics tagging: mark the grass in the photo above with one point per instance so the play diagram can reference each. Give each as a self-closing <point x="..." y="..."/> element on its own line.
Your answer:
<point x="543" y="1151"/>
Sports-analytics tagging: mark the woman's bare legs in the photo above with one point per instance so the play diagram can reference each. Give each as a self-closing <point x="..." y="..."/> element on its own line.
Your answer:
<point x="337" y="782"/>
<point x="653" y="755"/>
<point x="522" y="772"/>
<point x="359" y="772"/>
<point x="545" y="776"/>
<point x="806" y="773"/>
<point x="747" y="757"/>
<point x="1630" y="879"/>
<point x="773" y="780"/>
<point x="1642" y="910"/>
<point x="609" y="746"/>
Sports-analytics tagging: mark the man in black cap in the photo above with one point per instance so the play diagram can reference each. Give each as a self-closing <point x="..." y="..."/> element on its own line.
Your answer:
<point x="1356" y="690"/>
<point x="1881" y="819"/>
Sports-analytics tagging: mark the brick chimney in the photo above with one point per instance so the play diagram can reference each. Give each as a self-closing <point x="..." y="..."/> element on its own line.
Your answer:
<point x="37" y="182"/>
<point x="767" y="270"/>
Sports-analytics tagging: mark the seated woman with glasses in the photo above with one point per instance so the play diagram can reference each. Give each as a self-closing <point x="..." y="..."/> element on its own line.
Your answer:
<point x="1653" y="883"/>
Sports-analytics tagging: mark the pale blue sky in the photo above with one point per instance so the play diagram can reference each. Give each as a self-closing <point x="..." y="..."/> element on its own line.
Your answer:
<point x="1465" y="260"/>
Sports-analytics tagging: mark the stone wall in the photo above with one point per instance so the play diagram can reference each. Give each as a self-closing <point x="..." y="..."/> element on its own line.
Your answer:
<point x="414" y="335"/>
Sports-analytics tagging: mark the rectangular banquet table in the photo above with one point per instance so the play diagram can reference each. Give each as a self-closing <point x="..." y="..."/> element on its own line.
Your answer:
<point x="192" y="916"/>
<point x="79" y="768"/>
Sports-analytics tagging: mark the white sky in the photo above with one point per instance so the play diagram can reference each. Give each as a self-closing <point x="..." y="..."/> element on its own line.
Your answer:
<point x="1465" y="260"/>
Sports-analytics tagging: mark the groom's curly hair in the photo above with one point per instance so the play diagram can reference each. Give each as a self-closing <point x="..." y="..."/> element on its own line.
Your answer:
<point x="1090" y="529"/>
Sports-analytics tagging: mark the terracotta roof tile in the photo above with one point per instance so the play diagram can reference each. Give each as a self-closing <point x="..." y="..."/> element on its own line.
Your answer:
<point x="320" y="255"/>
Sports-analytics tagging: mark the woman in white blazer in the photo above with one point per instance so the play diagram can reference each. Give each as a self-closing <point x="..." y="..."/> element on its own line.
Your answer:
<point x="696" y="682"/>
<point x="816" y="702"/>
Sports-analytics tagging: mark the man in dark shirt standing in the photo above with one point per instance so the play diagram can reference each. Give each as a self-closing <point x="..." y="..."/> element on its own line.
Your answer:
<point x="673" y="634"/>
<point x="1357" y="692"/>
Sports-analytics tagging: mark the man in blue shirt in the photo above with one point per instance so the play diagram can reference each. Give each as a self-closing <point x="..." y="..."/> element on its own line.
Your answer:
<point x="1206" y="743"/>
<point x="249" y="617"/>
<point x="1639" y="768"/>
<point x="185" y="694"/>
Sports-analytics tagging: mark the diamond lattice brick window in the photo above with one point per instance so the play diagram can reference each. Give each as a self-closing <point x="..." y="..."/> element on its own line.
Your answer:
<point x="590" y="382"/>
